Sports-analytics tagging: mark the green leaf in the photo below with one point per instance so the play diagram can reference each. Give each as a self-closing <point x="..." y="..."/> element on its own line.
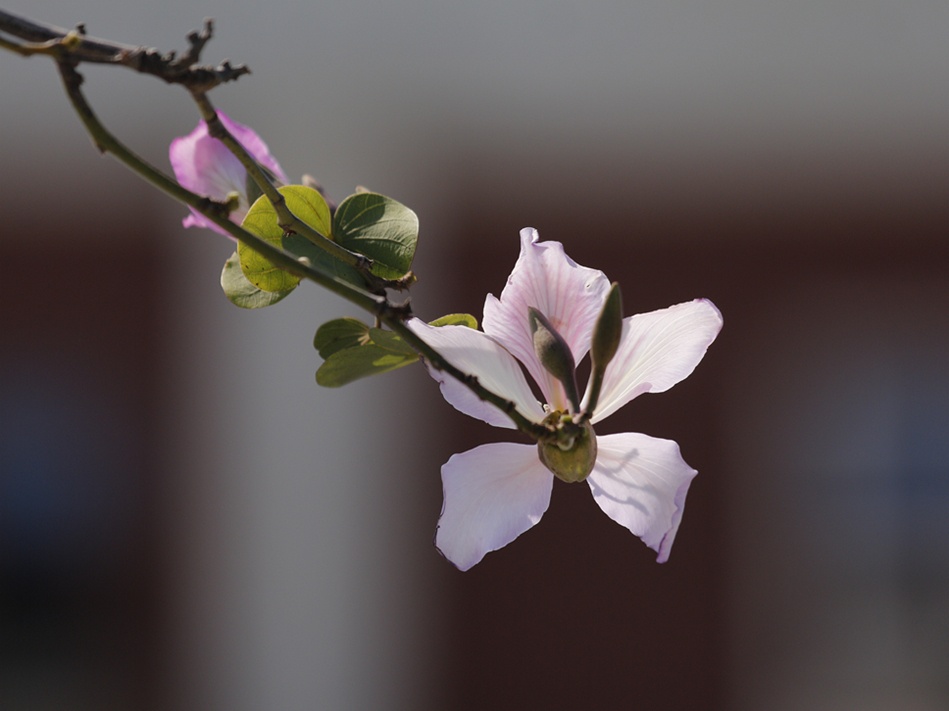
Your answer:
<point x="391" y="342"/>
<point x="351" y="364"/>
<point x="243" y="293"/>
<point x="310" y="207"/>
<point x="456" y="320"/>
<point x="353" y="350"/>
<point x="339" y="334"/>
<point x="384" y="230"/>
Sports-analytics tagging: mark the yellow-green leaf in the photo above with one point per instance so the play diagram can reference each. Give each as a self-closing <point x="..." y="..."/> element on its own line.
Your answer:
<point x="456" y="320"/>
<point x="242" y="292"/>
<point x="309" y="207"/>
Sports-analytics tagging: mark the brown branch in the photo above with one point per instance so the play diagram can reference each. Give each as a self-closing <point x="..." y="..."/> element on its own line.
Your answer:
<point x="69" y="48"/>
<point x="185" y="69"/>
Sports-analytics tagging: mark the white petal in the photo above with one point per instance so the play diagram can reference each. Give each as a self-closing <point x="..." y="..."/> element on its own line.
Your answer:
<point x="493" y="493"/>
<point x="658" y="350"/>
<point x="569" y="295"/>
<point x="479" y="355"/>
<point x="641" y="483"/>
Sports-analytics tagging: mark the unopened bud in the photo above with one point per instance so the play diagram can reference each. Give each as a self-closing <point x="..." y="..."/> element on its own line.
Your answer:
<point x="608" y="330"/>
<point x="607" y="334"/>
<point x="73" y="39"/>
<point x="554" y="353"/>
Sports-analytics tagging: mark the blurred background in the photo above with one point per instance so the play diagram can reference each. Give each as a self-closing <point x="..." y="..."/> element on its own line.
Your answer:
<point x="188" y="522"/>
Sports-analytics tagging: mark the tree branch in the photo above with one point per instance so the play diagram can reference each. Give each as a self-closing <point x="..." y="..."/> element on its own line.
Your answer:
<point x="69" y="48"/>
<point x="217" y="212"/>
<point x="169" y="67"/>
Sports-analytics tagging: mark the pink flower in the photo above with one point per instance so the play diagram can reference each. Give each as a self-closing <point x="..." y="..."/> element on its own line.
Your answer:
<point x="495" y="492"/>
<point x="205" y="166"/>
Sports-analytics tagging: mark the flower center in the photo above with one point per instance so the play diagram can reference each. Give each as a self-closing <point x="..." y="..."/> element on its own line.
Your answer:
<point x="571" y="455"/>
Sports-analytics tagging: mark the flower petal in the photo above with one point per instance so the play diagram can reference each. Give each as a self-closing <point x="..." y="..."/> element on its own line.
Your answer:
<point x="478" y="354"/>
<point x="658" y="349"/>
<point x="569" y="295"/>
<point x="205" y="166"/>
<point x="493" y="493"/>
<point x="641" y="483"/>
<point x="255" y="145"/>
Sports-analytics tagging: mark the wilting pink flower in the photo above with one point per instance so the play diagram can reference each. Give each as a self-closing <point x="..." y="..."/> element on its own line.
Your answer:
<point x="495" y="492"/>
<point x="204" y="165"/>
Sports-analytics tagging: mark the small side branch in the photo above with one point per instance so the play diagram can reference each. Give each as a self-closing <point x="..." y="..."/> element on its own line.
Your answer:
<point x="55" y="41"/>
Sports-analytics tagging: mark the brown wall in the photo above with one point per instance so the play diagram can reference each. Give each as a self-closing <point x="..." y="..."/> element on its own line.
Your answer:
<point x="576" y="613"/>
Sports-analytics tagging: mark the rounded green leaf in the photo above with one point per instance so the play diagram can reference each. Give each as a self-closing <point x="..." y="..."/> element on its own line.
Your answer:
<point x="310" y="207"/>
<point x="351" y="364"/>
<point x="241" y="292"/>
<point x="339" y="334"/>
<point x="391" y="342"/>
<point x="379" y="227"/>
<point x="353" y="350"/>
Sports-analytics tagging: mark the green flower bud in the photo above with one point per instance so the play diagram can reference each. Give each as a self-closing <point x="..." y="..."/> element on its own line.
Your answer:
<point x="607" y="334"/>
<point x="570" y="460"/>
<point x="554" y="354"/>
<point x="608" y="329"/>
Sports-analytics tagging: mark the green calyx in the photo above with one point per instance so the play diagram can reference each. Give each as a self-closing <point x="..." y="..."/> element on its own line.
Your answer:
<point x="571" y="455"/>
